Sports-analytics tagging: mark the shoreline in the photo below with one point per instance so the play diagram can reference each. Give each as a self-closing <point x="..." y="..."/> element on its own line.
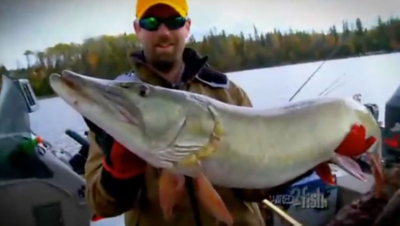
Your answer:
<point x="276" y="66"/>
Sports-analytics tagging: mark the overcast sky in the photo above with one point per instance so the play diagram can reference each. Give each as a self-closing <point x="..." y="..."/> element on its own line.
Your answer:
<point x="38" y="24"/>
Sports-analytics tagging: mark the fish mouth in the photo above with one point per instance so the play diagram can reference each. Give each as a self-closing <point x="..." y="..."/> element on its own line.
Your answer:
<point x="351" y="165"/>
<point x="81" y="91"/>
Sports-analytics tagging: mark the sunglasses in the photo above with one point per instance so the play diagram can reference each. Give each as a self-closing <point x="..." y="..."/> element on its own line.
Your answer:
<point x="153" y="23"/>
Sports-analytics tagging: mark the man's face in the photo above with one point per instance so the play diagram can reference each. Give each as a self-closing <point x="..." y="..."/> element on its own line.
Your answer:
<point x="163" y="45"/>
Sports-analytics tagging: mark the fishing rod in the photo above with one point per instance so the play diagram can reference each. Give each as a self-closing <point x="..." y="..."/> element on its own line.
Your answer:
<point x="331" y="85"/>
<point x="316" y="70"/>
<point x="268" y="203"/>
<point x="289" y="219"/>
<point x="333" y="89"/>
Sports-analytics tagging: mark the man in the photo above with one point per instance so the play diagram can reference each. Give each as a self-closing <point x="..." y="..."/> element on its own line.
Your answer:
<point x="124" y="184"/>
<point x="118" y="181"/>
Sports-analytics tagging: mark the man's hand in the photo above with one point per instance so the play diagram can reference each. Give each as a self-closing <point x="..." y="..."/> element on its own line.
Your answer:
<point x="122" y="163"/>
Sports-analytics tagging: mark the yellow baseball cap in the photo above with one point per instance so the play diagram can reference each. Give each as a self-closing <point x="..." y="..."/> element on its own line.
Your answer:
<point x="181" y="6"/>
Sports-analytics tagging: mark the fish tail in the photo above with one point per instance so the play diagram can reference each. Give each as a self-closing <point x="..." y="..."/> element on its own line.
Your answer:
<point x="171" y="188"/>
<point x="211" y="201"/>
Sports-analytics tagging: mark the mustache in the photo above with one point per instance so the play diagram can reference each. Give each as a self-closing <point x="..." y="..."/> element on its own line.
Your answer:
<point x="164" y="41"/>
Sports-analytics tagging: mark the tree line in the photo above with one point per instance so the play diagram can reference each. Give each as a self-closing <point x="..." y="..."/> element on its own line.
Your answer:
<point x="106" y="56"/>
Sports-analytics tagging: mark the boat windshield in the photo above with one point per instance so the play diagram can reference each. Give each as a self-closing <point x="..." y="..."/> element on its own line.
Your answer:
<point x="14" y="123"/>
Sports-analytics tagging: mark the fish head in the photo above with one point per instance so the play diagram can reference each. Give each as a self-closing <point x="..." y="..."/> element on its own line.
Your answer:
<point x="143" y="118"/>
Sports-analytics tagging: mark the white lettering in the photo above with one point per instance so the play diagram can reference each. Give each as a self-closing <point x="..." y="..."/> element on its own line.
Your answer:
<point x="301" y="199"/>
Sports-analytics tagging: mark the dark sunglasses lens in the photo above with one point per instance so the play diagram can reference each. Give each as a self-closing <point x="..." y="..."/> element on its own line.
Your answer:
<point x="149" y="23"/>
<point x="175" y="23"/>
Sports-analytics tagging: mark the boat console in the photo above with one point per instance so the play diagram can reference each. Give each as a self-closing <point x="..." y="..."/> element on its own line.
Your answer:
<point x="391" y="131"/>
<point x="36" y="187"/>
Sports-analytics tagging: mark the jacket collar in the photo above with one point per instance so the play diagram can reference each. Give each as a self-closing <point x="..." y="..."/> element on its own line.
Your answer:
<point x="194" y="65"/>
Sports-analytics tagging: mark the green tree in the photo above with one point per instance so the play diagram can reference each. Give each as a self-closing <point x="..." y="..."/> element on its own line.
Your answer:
<point x="107" y="56"/>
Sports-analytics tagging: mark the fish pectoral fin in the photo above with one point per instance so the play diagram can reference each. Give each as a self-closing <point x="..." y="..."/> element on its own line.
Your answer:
<point x="349" y="165"/>
<point x="325" y="173"/>
<point x="211" y="201"/>
<point x="171" y="189"/>
<point x="377" y="171"/>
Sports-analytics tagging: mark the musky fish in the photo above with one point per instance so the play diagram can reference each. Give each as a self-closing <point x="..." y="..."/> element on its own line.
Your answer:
<point x="236" y="147"/>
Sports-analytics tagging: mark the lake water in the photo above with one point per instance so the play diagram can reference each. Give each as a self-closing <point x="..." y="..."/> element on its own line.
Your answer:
<point x="375" y="77"/>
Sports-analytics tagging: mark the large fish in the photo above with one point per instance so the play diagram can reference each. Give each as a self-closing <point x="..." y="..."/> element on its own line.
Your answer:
<point x="211" y="141"/>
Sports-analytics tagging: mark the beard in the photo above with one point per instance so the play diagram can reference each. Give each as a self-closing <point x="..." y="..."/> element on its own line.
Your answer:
<point x="163" y="66"/>
<point x="163" y="60"/>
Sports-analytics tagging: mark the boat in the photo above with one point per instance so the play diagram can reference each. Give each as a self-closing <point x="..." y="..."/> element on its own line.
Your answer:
<point x="37" y="185"/>
<point x="43" y="185"/>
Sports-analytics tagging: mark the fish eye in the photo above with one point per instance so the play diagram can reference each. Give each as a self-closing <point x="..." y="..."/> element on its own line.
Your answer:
<point x="144" y="90"/>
